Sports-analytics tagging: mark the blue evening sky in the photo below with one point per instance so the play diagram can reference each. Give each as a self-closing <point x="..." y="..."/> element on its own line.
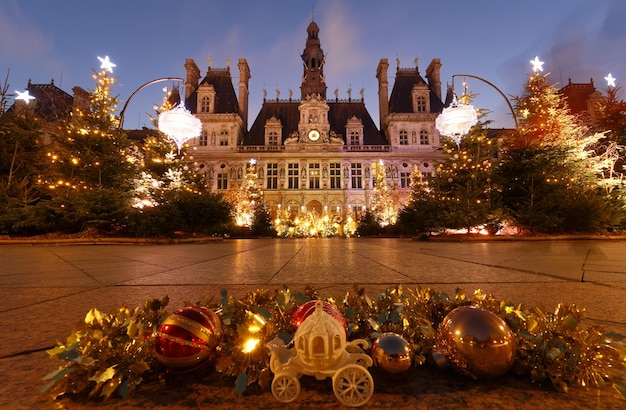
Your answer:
<point x="149" y="39"/>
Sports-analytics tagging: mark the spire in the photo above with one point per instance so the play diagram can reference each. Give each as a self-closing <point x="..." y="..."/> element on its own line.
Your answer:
<point x="313" y="61"/>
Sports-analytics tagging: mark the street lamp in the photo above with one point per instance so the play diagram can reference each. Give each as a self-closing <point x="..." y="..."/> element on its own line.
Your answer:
<point x="178" y="123"/>
<point x="457" y="119"/>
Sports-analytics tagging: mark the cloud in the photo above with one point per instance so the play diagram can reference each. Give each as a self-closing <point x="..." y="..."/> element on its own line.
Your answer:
<point x="340" y="40"/>
<point x="20" y="39"/>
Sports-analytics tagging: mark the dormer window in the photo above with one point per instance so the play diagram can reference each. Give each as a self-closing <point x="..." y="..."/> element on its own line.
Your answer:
<point x="205" y="104"/>
<point x="206" y="99"/>
<point x="273" y="132"/>
<point x="420" y="96"/>
<point x="354" y="130"/>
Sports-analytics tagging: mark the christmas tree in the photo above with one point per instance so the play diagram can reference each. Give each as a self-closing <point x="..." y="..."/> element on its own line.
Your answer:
<point x="463" y="183"/>
<point x="549" y="174"/>
<point x="22" y="162"/>
<point x="248" y="199"/>
<point x="93" y="163"/>
<point x="384" y="203"/>
<point x="421" y="215"/>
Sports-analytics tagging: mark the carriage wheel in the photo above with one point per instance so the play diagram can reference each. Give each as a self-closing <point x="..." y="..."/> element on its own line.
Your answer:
<point x="285" y="387"/>
<point x="353" y="385"/>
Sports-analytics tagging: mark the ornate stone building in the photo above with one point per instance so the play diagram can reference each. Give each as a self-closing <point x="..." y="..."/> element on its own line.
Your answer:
<point x="315" y="154"/>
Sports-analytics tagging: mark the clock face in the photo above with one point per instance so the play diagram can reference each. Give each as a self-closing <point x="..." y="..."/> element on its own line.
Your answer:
<point x="314" y="135"/>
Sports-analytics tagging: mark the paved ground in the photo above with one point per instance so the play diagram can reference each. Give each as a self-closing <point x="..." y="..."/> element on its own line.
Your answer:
<point x="45" y="289"/>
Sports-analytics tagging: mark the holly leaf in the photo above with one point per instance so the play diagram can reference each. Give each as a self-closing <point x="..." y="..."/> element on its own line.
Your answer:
<point x="103" y="376"/>
<point x="139" y="367"/>
<point x="242" y="383"/>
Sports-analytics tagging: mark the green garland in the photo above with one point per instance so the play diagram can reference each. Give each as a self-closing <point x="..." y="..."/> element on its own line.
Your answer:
<point x="114" y="352"/>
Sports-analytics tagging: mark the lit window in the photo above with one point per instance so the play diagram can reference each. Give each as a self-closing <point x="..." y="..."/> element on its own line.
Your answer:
<point x="314" y="176"/>
<point x="293" y="176"/>
<point x="335" y="175"/>
<point x="356" y="172"/>
<point x="272" y="176"/>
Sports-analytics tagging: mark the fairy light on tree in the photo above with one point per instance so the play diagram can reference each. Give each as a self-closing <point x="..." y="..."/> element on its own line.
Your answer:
<point x="384" y="203"/>
<point x="248" y="197"/>
<point x="550" y="169"/>
<point x="91" y="152"/>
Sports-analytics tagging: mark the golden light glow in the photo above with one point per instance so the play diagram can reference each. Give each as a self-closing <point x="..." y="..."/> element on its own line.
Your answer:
<point x="249" y="345"/>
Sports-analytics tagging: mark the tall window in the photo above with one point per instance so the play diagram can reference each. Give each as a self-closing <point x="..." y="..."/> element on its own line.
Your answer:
<point x="293" y="176"/>
<point x="356" y="172"/>
<point x="421" y="103"/>
<point x="203" y="139"/>
<point x="335" y="175"/>
<point x="222" y="180"/>
<point x="355" y="138"/>
<point x="314" y="176"/>
<point x="205" y="104"/>
<point x="404" y="137"/>
<point x="272" y="138"/>
<point x="224" y="138"/>
<point x="405" y="179"/>
<point x="423" y="137"/>
<point x="272" y="176"/>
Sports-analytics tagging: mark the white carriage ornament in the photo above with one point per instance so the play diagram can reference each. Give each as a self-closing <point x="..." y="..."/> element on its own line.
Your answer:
<point x="320" y="349"/>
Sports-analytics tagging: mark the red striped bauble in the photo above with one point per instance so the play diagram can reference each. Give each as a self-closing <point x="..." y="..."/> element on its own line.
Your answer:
<point x="187" y="339"/>
<point x="305" y="310"/>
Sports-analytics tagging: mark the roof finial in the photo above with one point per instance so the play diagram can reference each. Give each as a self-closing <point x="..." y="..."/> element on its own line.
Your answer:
<point x="312" y="12"/>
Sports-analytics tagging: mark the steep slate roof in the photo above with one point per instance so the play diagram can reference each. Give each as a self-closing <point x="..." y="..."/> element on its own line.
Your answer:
<point x="340" y="112"/>
<point x="225" y="96"/>
<point x="285" y="111"/>
<point x="289" y="115"/>
<point x="51" y="103"/>
<point x="400" y="99"/>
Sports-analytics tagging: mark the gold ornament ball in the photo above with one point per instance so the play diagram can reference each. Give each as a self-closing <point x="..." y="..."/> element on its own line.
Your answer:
<point x="476" y="342"/>
<point x="392" y="353"/>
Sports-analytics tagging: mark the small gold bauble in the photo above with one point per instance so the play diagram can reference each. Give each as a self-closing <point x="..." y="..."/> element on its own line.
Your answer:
<point x="392" y="353"/>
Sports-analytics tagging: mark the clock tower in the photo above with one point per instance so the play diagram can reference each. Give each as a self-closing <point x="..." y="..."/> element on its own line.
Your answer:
<point x="313" y="62"/>
<point x="313" y="126"/>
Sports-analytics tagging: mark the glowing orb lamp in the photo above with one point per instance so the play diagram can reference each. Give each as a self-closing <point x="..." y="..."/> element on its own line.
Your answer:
<point x="456" y="120"/>
<point x="179" y="125"/>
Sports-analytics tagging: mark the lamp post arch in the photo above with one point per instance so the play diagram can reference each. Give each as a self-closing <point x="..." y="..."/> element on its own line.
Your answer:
<point x="508" y="103"/>
<point x="149" y="83"/>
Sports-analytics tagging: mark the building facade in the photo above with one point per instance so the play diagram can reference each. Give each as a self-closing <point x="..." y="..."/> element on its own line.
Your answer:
<point x="315" y="154"/>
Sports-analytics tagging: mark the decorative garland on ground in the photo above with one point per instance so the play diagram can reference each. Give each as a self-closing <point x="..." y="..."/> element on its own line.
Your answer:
<point x="115" y="352"/>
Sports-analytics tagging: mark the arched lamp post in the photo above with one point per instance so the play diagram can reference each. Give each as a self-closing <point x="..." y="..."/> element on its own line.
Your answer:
<point x="178" y="123"/>
<point x="456" y="120"/>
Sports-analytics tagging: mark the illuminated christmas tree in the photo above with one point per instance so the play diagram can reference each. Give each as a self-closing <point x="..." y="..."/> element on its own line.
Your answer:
<point x="549" y="172"/>
<point x="463" y="182"/>
<point x="248" y="199"/>
<point x="90" y="151"/>
<point x="93" y="163"/>
<point x="384" y="202"/>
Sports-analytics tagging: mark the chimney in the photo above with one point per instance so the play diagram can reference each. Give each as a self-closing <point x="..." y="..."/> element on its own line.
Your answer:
<point x="193" y="76"/>
<point x="383" y="90"/>
<point x="244" y="77"/>
<point x="434" y="77"/>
